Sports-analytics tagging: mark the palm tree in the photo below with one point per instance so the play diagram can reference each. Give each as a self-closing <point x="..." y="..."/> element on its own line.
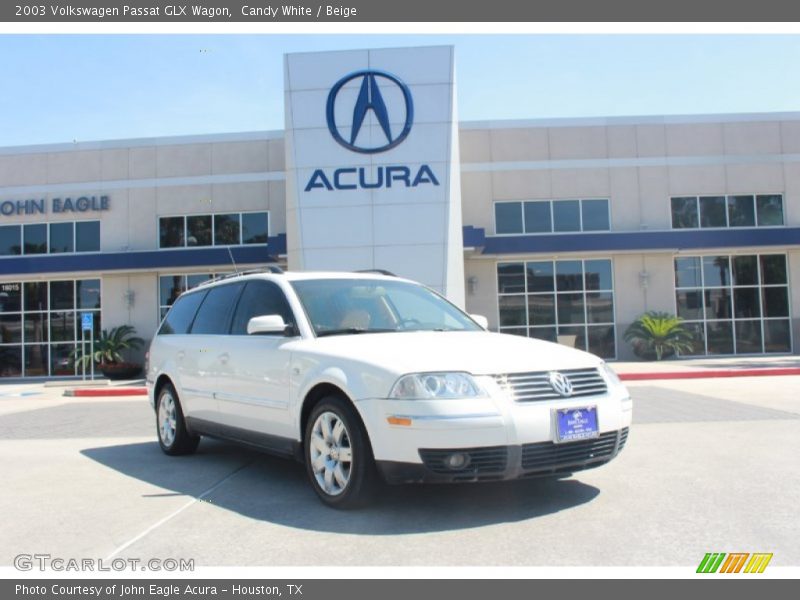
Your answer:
<point x="660" y="333"/>
<point x="109" y="346"/>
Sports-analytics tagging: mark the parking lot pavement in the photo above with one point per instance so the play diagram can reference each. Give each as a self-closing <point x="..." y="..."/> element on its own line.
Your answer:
<point x="710" y="465"/>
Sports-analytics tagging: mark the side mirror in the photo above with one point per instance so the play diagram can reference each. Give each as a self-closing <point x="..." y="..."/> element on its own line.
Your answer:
<point x="481" y="320"/>
<point x="267" y="324"/>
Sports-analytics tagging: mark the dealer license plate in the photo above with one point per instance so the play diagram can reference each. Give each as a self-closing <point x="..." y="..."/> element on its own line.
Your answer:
<point x="573" y="424"/>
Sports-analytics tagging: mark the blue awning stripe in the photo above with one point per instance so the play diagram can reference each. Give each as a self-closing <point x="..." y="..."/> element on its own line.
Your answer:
<point x="140" y="260"/>
<point x="627" y="241"/>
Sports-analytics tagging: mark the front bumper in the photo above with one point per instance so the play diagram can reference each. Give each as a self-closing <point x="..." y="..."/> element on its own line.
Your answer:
<point x="496" y="463"/>
<point x="494" y="421"/>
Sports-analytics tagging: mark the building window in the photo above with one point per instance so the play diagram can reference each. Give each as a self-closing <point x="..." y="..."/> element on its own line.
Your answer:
<point x="566" y="301"/>
<point x="199" y="230"/>
<point x="769" y="210"/>
<point x="62" y="237"/>
<point x="171" y="232"/>
<point x="10" y="240"/>
<point x="34" y="238"/>
<point x="40" y="324"/>
<point x="255" y="228"/>
<point x="172" y="286"/>
<point x="232" y="229"/>
<point x="549" y="216"/>
<point x="508" y="217"/>
<point x="52" y="238"/>
<point x="594" y="215"/>
<point x="734" y="304"/>
<point x="227" y="230"/>
<point x="538" y="217"/>
<point x="87" y="236"/>
<point x="567" y="215"/>
<point x="709" y="212"/>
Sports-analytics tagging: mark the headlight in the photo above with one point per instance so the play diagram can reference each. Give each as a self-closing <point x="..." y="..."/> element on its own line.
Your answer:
<point x="611" y="375"/>
<point x="425" y="386"/>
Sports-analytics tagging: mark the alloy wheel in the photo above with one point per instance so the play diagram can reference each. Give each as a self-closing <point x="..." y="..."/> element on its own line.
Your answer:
<point x="167" y="421"/>
<point x="330" y="453"/>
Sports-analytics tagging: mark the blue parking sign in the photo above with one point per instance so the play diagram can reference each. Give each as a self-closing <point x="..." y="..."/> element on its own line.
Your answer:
<point x="87" y="321"/>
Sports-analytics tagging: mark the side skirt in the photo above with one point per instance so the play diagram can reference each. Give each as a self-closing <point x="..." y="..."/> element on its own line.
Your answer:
<point x="271" y="444"/>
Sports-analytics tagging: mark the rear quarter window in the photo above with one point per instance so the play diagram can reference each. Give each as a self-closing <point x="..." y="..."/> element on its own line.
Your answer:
<point x="180" y="316"/>
<point x="214" y="315"/>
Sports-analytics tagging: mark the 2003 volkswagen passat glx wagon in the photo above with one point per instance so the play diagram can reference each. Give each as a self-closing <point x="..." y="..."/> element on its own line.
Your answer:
<point x="362" y="375"/>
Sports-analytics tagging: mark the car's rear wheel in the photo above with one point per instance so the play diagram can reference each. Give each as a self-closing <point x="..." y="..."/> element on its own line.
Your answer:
<point x="173" y="437"/>
<point x="338" y="455"/>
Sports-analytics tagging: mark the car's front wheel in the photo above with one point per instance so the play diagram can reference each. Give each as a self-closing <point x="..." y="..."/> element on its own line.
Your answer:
<point x="173" y="437"/>
<point x="338" y="455"/>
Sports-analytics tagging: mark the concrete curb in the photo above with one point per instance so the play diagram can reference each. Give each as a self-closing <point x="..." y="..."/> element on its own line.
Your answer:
<point x="105" y="392"/>
<point x="74" y="383"/>
<point x="711" y="373"/>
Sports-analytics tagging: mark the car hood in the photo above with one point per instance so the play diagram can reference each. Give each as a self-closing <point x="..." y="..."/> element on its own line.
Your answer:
<point x="476" y="352"/>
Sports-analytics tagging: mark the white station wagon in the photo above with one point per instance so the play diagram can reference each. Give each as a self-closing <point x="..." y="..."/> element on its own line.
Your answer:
<point x="366" y="375"/>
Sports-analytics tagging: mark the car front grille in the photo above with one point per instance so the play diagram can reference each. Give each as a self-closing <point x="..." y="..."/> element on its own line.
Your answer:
<point x="535" y="386"/>
<point x="482" y="461"/>
<point x="546" y="456"/>
<point x="623" y="437"/>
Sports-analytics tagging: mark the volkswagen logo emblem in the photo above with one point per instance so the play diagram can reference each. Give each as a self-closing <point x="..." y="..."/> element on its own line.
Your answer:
<point x="370" y="98"/>
<point x="560" y="384"/>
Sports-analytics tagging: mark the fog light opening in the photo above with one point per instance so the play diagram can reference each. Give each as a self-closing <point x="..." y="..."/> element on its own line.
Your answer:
<point x="457" y="461"/>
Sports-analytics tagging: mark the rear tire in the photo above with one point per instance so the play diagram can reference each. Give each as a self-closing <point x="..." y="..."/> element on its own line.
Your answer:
<point x="173" y="437"/>
<point x="338" y="455"/>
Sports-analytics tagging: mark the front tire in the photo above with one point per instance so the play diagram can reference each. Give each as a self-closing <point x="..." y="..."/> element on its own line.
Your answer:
<point x="338" y="455"/>
<point x="173" y="437"/>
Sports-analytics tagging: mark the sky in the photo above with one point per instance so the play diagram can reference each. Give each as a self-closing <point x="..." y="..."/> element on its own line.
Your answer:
<point x="65" y="88"/>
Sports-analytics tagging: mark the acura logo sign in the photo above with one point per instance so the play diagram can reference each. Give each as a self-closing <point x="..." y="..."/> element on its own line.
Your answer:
<point x="560" y="383"/>
<point x="371" y="99"/>
<point x="391" y="123"/>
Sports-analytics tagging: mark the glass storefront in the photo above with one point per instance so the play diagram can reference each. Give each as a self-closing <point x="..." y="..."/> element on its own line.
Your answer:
<point x="735" y="304"/>
<point x="565" y="301"/>
<point x="40" y="324"/>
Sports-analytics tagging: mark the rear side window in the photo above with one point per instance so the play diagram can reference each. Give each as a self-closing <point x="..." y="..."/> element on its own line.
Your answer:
<point x="214" y="315"/>
<point x="260" y="298"/>
<point x="180" y="316"/>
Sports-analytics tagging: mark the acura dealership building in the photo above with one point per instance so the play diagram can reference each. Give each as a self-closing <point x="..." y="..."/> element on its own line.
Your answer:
<point x="565" y="229"/>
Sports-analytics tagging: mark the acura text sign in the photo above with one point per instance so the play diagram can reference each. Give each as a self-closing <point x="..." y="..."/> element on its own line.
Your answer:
<point x="372" y="164"/>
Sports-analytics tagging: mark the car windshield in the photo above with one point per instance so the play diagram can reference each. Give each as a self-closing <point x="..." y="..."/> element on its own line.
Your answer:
<point x="350" y="306"/>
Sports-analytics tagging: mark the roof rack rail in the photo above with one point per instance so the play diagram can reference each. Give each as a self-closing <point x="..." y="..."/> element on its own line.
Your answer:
<point x="267" y="269"/>
<point x="377" y="271"/>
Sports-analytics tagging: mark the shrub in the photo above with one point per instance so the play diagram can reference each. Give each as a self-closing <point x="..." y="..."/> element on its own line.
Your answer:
<point x="109" y="347"/>
<point x="658" y="334"/>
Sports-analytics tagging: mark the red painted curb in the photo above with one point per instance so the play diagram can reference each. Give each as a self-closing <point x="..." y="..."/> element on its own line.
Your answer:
<point x="711" y="373"/>
<point x="98" y="392"/>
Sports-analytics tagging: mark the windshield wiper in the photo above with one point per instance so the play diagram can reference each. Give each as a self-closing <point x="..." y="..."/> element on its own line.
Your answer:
<point x="350" y="330"/>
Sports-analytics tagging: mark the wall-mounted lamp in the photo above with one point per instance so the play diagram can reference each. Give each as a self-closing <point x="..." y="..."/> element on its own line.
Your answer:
<point x="130" y="298"/>
<point x="472" y="284"/>
<point x="644" y="279"/>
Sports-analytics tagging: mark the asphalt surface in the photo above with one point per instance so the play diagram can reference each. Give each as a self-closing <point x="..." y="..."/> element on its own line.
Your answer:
<point x="710" y="466"/>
